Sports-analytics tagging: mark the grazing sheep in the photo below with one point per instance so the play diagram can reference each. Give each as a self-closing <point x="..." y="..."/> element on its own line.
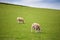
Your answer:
<point x="20" y="20"/>
<point x="36" y="27"/>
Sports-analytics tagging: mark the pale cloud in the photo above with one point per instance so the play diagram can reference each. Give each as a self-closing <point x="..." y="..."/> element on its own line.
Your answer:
<point x="52" y="4"/>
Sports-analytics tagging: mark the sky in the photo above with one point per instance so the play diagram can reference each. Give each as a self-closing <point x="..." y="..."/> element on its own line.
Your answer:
<point x="51" y="4"/>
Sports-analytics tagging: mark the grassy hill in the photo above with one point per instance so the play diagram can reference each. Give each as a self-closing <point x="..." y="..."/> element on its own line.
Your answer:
<point x="10" y="30"/>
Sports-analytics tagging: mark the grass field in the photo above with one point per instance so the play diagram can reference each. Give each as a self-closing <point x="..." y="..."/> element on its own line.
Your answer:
<point x="10" y="30"/>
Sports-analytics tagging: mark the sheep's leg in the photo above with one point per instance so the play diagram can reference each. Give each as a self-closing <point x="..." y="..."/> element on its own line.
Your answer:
<point x="23" y="21"/>
<point x="35" y="28"/>
<point x="38" y="30"/>
<point x="18" y="21"/>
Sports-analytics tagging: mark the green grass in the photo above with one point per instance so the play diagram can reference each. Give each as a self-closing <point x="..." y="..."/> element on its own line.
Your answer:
<point x="10" y="30"/>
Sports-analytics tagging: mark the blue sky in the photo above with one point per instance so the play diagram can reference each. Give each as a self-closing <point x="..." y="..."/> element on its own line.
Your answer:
<point x="51" y="4"/>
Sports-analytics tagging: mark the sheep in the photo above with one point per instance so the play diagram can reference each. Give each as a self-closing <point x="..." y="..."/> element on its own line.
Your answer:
<point x="20" y="19"/>
<point x="36" y="27"/>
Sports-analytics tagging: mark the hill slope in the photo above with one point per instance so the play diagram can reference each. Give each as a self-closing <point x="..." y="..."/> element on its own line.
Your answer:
<point x="11" y="30"/>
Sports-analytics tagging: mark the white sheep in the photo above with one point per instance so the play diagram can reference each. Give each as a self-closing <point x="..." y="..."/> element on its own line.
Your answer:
<point x="36" y="27"/>
<point x="20" y="19"/>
